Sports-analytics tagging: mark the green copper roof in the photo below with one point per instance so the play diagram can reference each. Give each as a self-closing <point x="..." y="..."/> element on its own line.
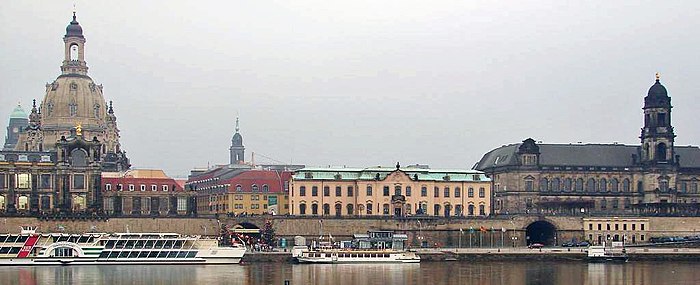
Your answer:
<point x="18" y="113"/>
<point x="372" y="173"/>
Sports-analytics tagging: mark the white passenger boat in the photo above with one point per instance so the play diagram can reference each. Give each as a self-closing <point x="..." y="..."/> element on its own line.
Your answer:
<point x="355" y="256"/>
<point x="607" y="254"/>
<point x="373" y="247"/>
<point x="31" y="248"/>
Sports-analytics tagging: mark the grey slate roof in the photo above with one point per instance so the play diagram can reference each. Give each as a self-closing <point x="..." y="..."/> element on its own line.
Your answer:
<point x="596" y="155"/>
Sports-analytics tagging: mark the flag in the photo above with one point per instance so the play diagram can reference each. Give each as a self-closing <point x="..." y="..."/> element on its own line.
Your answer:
<point x="483" y="229"/>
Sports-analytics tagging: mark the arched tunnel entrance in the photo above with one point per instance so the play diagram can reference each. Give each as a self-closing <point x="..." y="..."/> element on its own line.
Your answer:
<point x="541" y="232"/>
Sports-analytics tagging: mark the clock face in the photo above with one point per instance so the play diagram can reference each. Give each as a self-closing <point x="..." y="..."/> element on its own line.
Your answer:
<point x="15" y="130"/>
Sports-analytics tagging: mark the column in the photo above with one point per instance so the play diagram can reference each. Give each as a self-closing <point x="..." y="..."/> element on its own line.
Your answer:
<point x="11" y="208"/>
<point x="34" y="196"/>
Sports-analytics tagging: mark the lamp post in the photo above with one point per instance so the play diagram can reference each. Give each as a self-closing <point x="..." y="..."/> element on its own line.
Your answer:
<point x="420" y="233"/>
<point x="460" y="238"/>
<point x="512" y="236"/>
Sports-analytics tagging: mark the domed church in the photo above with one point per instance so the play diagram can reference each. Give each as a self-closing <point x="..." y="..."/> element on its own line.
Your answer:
<point x="74" y="100"/>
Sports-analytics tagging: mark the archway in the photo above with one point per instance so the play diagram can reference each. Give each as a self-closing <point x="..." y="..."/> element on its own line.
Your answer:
<point x="541" y="232"/>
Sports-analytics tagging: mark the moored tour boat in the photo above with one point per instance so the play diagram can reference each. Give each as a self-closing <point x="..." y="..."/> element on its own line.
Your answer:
<point x="607" y="254"/>
<point x="356" y="256"/>
<point x="31" y="248"/>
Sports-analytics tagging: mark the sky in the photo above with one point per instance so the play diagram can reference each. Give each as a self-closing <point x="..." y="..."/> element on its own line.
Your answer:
<point x="361" y="83"/>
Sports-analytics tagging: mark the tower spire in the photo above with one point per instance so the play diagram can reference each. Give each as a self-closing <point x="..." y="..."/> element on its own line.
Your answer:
<point x="237" y="126"/>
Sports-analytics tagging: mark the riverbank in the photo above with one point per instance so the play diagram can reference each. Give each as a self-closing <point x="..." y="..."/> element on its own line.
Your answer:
<point x="510" y="254"/>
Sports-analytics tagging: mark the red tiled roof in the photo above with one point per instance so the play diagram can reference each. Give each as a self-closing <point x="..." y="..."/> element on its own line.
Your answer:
<point x="273" y="179"/>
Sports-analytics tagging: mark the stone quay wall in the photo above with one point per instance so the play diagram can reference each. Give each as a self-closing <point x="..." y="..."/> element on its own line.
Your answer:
<point x="440" y="231"/>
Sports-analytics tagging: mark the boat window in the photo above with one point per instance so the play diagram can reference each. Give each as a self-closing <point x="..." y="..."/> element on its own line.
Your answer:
<point x="123" y="254"/>
<point x="4" y="250"/>
<point x="149" y="243"/>
<point x="130" y="244"/>
<point x="143" y="254"/>
<point x="83" y="239"/>
<point x="109" y="244"/>
<point x="73" y="239"/>
<point x="172" y="254"/>
<point x="62" y="251"/>
<point x="163" y="254"/>
<point x="134" y="254"/>
<point x="159" y="244"/>
<point x="104" y="254"/>
<point x="178" y="244"/>
<point x="139" y="244"/>
<point x="191" y="254"/>
<point x="11" y="239"/>
<point x="153" y="254"/>
<point x="22" y="238"/>
<point x="3" y="238"/>
<point x="169" y="244"/>
<point x="120" y="244"/>
<point x="181" y="254"/>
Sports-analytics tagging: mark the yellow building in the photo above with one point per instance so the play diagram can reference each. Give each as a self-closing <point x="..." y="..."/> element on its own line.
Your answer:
<point x="387" y="191"/>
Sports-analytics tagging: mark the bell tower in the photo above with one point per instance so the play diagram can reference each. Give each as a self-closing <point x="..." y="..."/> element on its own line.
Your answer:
<point x="237" y="149"/>
<point x="657" y="134"/>
<point x="74" y="57"/>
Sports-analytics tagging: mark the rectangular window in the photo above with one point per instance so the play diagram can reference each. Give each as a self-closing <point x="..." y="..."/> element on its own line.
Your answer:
<point x="457" y="192"/>
<point x="327" y="191"/>
<point x="2" y="181"/>
<point x="45" y="181"/>
<point x="165" y="188"/>
<point x="641" y="237"/>
<point x="482" y="192"/>
<point x="641" y="226"/>
<point x="23" y="180"/>
<point x="338" y="191"/>
<point x="424" y="191"/>
<point x="600" y="227"/>
<point x="590" y="227"/>
<point x="529" y="185"/>
<point x="369" y="208"/>
<point x="314" y="191"/>
<point x="350" y="191"/>
<point x="302" y="191"/>
<point x="470" y="192"/>
<point x="447" y="192"/>
<point x="182" y="203"/>
<point x="386" y="191"/>
<point x="78" y="181"/>
<point x="624" y="227"/>
<point x="482" y="210"/>
<point x="108" y="187"/>
<point x="369" y="190"/>
<point x="408" y="192"/>
<point x="634" y="227"/>
<point x="397" y="190"/>
<point x="436" y="192"/>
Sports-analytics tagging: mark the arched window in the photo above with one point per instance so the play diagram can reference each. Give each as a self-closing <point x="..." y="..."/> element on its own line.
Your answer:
<point x="567" y="185"/>
<point x="369" y="208"/>
<point x="590" y="185"/>
<point x="266" y="188"/>
<point x="614" y="185"/>
<point x="603" y="204"/>
<point x="458" y="192"/>
<point x="661" y="151"/>
<point x="603" y="185"/>
<point x="544" y="184"/>
<point x="385" y="209"/>
<point x="255" y="188"/>
<point x="239" y="188"/>
<point x="350" y="209"/>
<point x="471" y="209"/>
<point x="314" y="209"/>
<point x="555" y="184"/>
<point x="626" y="185"/>
<point x="458" y="210"/>
<point x="326" y="209"/>
<point x="447" y="192"/>
<point x="302" y="209"/>
<point x="339" y="209"/>
<point x="579" y="185"/>
<point x="369" y="190"/>
<point x="436" y="210"/>
<point x="74" y="52"/>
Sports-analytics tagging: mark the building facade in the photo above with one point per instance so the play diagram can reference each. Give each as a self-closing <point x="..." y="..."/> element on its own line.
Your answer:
<point x="145" y="192"/>
<point x="74" y="99"/>
<point x="65" y="180"/>
<point x="656" y="177"/>
<point x="16" y="125"/>
<point x="387" y="191"/>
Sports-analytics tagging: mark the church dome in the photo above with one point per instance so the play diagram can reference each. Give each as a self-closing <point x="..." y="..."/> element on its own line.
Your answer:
<point x="657" y="90"/>
<point x="74" y="29"/>
<point x="18" y="113"/>
<point x="237" y="139"/>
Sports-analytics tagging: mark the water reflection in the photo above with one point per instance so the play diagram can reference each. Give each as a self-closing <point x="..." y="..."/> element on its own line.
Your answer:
<point x="425" y="273"/>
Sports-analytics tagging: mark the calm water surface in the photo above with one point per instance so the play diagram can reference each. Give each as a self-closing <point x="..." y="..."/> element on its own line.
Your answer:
<point x="559" y="273"/>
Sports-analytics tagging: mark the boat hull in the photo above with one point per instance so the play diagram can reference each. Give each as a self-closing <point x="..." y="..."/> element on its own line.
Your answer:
<point x="98" y="261"/>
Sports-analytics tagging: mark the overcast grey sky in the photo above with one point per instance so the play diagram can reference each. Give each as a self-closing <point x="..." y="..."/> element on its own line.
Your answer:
<point x="362" y="83"/>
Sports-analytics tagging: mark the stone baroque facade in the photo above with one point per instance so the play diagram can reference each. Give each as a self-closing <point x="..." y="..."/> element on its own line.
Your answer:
<point x="653" y="178"/>
<point x="145" y="192"/>
<point x="64" y="180"/>
<point x="74" y="99"/>
<point x="386" y="191"/>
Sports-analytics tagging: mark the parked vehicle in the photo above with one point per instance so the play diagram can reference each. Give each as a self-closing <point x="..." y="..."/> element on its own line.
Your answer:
<point x="583" y="244"/>
<point x="535" y="245"/>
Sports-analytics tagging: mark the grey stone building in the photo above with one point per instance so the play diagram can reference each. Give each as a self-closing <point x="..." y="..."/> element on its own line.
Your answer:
<point x="653" y="178"/>
<point x="16" y="125"/>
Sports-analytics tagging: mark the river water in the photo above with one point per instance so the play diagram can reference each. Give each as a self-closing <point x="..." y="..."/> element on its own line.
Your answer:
<point x="433" y="273"/>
